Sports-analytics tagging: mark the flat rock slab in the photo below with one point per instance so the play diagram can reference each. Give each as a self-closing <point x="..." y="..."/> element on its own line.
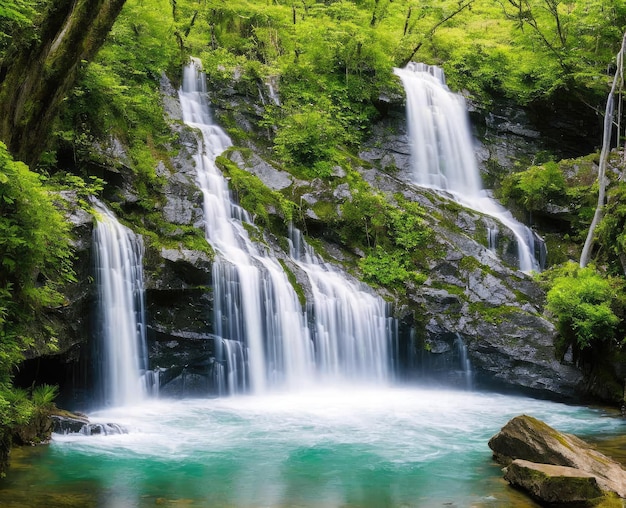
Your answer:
<point x="554" y="484"/>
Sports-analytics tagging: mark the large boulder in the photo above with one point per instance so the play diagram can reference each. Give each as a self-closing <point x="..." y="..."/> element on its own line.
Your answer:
<point x="530" y="439"/>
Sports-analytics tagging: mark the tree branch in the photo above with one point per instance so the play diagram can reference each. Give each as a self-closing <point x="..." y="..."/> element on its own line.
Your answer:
<point x="431" y="32"/>
<point x="604" y="155"/>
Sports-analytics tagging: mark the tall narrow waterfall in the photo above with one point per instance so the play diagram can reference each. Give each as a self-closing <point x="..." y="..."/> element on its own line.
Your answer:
<point x="442" y="151"/>
<point x="122" y="337"/>
<point x="265" y="339"/>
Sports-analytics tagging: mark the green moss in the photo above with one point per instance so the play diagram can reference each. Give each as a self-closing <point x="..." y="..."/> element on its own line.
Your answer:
<point x="495" y="315"/>
<point x="450" y="288"/>
<point x="325" y="210"/>
<point x="470" y="263"/>
<point x="254" y="196"/>
<point x="560" y="249"/>
<point x="294" y="283"/>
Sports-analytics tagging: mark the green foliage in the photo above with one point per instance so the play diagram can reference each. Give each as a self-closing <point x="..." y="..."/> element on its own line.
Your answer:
<point x="254" y="196"/>
<point x="612" y="229"/>
<point x="536" y="187"/>
<point x="393" y="237"/>
<point x="15" y="16"/>
<point x="15" y="407"/>
<point x="308" y="138"/>
<point x="580" y="300"/>
<point x="35" y="262"/>
<point x="389" y="269"/>
<point x="43" y="396"/>
<point x="35" y="259"/>
<point x="118" y="96"/>
<point x="569" y="185"/>
<point x="83" y="189"/>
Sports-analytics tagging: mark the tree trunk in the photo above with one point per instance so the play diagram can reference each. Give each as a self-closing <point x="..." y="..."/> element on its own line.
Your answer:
<point x="35" y="79"/>
<point x="604" y="155"/>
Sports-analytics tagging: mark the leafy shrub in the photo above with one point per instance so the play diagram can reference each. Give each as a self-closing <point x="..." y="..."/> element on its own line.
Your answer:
<point x="35" y="259"/>
<point x="43" y="396"/>
<point x="394" y="237"/>
<point x="536" y="187"/>
<point x="580" y="300"/>
<point x="308" y="138"/>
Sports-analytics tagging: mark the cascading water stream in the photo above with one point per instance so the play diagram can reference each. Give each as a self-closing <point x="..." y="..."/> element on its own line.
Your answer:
<point x="120" y="308"/>
<point x="255" y="305"/>
<point x="353" y="333"/>
<point x="254" y="302"/>
<point x="442" y="150"/>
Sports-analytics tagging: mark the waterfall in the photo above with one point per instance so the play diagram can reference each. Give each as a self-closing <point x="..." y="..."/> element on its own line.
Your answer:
<point x="464" y="361"/>
<point x="353" y="333"/>
<point x="271" y="88"/>
<point x="492" y="238"/>
<point x="257" y="313"/>
<point x="264" y="335"/>
<point x="442" y="153"/>
<point x="120" y="306"/>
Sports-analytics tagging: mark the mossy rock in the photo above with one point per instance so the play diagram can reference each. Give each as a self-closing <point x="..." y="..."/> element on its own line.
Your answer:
<point x="556" y="485"/>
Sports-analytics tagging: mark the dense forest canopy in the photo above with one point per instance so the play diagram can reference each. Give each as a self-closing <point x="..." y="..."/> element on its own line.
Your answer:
<point x="332" y="62"/>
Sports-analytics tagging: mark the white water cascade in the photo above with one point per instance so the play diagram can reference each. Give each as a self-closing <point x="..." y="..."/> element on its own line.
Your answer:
<point x="442" y="150"/>
<point x="353" y="333"/>
<point x="120" y="307"/>
<point x="264" y="337"/>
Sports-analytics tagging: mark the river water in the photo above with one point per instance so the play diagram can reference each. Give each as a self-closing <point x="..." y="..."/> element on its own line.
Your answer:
<point x="338" y="447"/>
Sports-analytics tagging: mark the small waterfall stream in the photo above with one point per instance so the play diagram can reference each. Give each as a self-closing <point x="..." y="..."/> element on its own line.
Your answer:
<point x="120" y="309"/>
<point x="353" y="334"/>
<point x="266" y="339"/>
<point x="442" y="151"/>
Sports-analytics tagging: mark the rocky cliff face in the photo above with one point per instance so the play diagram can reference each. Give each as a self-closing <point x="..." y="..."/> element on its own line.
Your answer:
<point x="474" y="305"/>
<point x="474" y="293"/>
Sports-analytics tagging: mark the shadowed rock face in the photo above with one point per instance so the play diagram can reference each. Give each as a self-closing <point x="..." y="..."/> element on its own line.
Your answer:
<point x="532" y="440"/>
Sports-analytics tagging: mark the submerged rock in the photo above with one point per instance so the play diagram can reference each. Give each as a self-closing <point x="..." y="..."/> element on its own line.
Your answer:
<point x="68" y="423"/>
<point x="538" y="444"/>
<point x="105" y="429"/>
<point x="74" y="423"/>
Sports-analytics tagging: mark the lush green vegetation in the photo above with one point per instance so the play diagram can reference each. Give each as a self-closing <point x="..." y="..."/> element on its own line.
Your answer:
<point x="394" y="238"/>
<point x="35" y="263"/>
<point x="587" y="308"/>
<point x="586" y="303"/>
<point x="255" y="197"/>
<point x="536" y="187"/>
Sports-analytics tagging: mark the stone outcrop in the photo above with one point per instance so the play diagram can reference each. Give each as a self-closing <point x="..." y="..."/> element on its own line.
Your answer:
<point x="477" y="294"/>
<point x="75" y="423"/>
<point x="68" y="423"/>
<point x="533" y="441"/>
